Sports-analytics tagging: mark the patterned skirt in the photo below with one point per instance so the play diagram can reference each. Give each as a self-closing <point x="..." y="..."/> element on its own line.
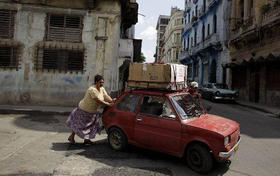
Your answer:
<point x="84" y="124"/>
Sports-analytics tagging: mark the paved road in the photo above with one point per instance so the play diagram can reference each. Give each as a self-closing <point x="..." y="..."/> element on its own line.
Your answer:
<point x="35" y="144"/>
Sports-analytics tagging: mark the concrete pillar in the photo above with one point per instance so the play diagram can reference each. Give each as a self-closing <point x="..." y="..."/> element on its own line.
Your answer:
<point x="246" y="9"/>
<point x="233" y="14"/>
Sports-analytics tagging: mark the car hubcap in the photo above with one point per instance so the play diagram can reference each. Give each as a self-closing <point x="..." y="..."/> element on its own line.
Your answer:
<point x="115" y="139"/>
<point x="195" y="158"/>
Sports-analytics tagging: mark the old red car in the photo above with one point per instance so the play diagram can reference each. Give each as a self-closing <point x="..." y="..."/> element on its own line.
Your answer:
<point x="173" y="123"/>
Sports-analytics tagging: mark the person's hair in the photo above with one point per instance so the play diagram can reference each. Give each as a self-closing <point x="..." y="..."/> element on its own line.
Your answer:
<point x="97" y="78"/>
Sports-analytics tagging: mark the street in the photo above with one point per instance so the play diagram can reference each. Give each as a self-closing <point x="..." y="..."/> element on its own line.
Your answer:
<point x="36" y="144"/>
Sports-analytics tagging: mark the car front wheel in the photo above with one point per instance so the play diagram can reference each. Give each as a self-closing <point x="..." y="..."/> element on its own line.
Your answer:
<point x="199" y="158"/>
<point x="117" y="139"/>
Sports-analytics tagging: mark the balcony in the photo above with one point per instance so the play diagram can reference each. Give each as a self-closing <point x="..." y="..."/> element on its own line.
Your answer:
<point x="212" y="3"/>
<point x="272" y="15"/>
<point x="184" y="55"/>
<point x="201" y="12"/>
<point x="187" y="27"/>
<point x="126" y="48"/>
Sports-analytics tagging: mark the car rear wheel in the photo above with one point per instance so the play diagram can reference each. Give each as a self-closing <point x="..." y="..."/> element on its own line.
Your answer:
<point x="117" y="139"/>
<point x="199" y="158"/>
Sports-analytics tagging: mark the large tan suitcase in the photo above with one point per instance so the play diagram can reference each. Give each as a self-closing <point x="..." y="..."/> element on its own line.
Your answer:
<point x="162" y="76"/>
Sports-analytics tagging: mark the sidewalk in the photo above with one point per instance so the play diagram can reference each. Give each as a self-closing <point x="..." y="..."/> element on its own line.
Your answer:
<point x="268" y="109"/>
<point x="9" y="109"/>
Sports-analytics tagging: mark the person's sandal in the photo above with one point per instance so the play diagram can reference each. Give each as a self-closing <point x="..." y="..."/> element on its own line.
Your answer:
<point x="72" y="141"/>
<point x="88" y="142"/>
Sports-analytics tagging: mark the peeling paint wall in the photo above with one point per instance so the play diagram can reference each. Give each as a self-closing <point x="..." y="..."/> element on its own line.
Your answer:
<point x="100" y="37"/>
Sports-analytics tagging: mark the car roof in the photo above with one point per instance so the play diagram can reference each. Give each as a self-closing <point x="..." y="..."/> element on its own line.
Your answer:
<point x="158" y="92"/>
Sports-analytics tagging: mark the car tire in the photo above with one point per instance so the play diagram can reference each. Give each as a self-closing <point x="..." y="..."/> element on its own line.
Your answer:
<point x="199" y="158"/>
<point x="117" y="139"/>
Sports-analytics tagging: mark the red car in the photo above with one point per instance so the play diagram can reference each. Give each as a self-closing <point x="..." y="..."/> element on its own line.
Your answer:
<point x="173" y="123"/>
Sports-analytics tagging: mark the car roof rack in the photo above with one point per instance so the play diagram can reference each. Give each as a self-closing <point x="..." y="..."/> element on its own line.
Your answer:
<point x="156" y="89"/>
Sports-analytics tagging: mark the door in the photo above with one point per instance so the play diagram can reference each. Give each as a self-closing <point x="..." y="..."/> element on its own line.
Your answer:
<point x="254" y="84"/>
<point x="147" y="126"/>
<point x="170" y="130"/>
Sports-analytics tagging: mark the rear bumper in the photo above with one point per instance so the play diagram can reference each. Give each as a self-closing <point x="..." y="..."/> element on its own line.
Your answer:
<point x="226" y="155"/>
<point x="223" y="98"/>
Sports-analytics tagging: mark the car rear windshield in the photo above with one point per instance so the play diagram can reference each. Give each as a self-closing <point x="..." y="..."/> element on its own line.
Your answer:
<point x="187" y="106"/>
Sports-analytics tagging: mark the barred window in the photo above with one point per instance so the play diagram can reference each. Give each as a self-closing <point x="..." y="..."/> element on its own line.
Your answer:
<point x="8" y="57"/>
<point x="64" y="28"/>
<point x="61" y="60"/>
<point x="7" y="23"/>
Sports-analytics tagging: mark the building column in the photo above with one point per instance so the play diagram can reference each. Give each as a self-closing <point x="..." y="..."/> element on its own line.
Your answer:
<point x="246" y="9"/>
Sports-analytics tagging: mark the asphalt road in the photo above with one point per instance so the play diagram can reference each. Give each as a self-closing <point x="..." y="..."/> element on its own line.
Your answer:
<point x="35" y="144"/>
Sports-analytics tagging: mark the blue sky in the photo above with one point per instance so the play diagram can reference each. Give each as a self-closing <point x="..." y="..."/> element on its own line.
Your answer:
<point x="146" y="27"/>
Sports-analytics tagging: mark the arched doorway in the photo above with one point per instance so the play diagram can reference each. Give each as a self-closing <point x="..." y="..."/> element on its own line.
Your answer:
<point x="213" y="71"/>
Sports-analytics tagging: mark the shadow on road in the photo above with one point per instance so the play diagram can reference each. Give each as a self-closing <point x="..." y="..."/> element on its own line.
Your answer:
<point x="42" y="122"/>
<point x="100" y="151"/>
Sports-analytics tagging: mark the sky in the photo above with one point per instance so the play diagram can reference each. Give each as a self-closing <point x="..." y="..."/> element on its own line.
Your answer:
<point x="145" y="29"/>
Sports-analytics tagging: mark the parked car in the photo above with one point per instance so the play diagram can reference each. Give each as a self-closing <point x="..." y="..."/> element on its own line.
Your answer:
<point x="215" y="91"/>
<point x="172" y="123"/>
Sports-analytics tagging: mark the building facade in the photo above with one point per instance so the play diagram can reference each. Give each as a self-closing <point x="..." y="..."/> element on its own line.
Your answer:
<point x="161" y="27"/>
<point x="50" y="51"/>
<point x="171" y="46"/>
<point x="205" y="40"/>
<point x="255" y="50"/>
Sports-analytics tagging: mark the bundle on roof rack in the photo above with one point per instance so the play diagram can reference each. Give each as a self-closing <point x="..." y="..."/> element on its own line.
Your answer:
<point x="159" y="76"/>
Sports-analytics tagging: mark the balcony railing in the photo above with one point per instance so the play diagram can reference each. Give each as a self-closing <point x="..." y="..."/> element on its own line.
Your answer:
<point x="212" y="3"/>
<point x="271" y="15"/>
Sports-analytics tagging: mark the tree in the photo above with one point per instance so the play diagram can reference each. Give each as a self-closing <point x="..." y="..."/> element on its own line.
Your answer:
<point x="142" y="58"/>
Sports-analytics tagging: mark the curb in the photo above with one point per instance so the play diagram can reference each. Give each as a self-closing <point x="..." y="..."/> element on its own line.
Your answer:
<point x="277" y="114"/>
<point x="31" y="111"/>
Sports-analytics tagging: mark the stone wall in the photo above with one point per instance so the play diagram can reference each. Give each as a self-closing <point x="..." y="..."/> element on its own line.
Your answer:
<point x="100" y="38"/>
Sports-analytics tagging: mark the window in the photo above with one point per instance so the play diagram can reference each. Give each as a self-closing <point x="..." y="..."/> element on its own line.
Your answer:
<point x="167" y="110"/>
<point x="195" y="38"/>
<point x="59" y="59"/>
<point x="129" y="103"/>
<point x="203" y="32"/>
<point x="64" y="28"/>
<point x="195" y="71"/>
<point x="208" y="30"/>
<point x="152" y="105"/>
<point x="215" y="24"/>
<point x="8" y="57"/>
<point x="7" y="23"/>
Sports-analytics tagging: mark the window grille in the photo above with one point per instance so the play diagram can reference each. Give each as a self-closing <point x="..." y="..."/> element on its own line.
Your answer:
<point x="8" y="57"/>
<point x="64" y="28"/>
<point x="7" y="22"/>
<point x="61" y="60"/>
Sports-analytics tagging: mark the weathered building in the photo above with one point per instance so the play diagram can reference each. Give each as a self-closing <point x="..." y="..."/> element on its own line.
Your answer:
<point x="255" y="50"/>
<point x="205" y="39"/>
<point x="50" y="51"/>
<point x="161" y="26"/>
<point x="171" y="45"/>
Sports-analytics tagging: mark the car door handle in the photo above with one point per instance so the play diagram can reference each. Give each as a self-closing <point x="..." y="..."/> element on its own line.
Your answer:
<point x="139" y="119"/>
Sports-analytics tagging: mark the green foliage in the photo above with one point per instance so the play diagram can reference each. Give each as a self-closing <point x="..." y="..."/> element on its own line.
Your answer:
<point x="142" y="58"/>
<point x="265" y="8"/>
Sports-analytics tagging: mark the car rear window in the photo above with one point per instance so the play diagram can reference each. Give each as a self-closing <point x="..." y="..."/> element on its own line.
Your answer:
<point x="129" y="103"/>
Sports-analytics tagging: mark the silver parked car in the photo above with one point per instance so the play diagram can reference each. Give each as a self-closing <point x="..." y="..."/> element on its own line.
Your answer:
<point x="216" y="91"/>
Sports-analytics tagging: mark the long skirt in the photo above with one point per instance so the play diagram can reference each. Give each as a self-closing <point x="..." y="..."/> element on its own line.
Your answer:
<point x="84" y="124"/>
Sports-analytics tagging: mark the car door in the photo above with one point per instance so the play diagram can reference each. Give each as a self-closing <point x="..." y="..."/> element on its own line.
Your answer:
<point x="125" y="113"/>
<point x="170" y="129"/>
<point x="147" y="126"/>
